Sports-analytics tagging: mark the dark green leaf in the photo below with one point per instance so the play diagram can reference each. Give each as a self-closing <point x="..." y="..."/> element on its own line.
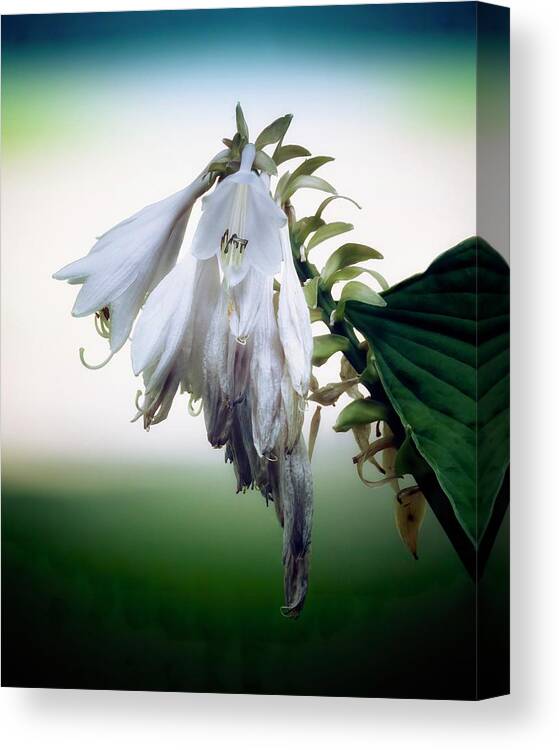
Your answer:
<point x="274" y="132"/>
<point x="441" y="348"/>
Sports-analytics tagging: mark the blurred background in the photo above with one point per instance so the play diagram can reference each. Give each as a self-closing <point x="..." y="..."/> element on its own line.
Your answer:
<point x="128" y="560"/>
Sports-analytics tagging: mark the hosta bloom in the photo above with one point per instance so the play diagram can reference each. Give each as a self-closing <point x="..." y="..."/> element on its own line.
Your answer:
<point x="128" y="261"/>
<point x="211" y="328"/>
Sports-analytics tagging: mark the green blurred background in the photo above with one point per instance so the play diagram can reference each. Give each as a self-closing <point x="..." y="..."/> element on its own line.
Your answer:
<point x="164" y="579"/>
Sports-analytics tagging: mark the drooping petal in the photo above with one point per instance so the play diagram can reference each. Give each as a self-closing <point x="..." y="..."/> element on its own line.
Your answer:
<point x="217" y="408"/>
<point x="129" y="260"/>
<point x="245" y="302"/>
<point x="158" y="346"/>
<point x="293" y="412"/>
<point x="294" y="323"/>
<point x="265" y="378"/>
<point x="296" y="490"/>
<point x="204" y="303"/>
<point x="162" y="324"/>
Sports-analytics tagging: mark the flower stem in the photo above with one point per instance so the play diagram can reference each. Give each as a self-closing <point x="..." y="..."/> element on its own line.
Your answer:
<point x="305" y="271"/>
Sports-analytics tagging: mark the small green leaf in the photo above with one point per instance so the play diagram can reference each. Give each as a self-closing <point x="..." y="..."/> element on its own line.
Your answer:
<point x="356" y="290"/>
<point x="311" y="165"/>
<point x="329" y="200"/>
<point x="303" y="227"/>
<point x="359" y="412"/>
<point x="327" y="231"/>
<point x="228" y="142"/>
<point x="236" y="146"/>
<point x="306" y="181"/>
<point x="274" y="132"/>
<point x="347" y="255"/>
<point x="217" y="166"/>
<point x="310" y="290"/>
<point x="325" y="346"/>
<point x="284" y="153"/>
<point x="265" y="163"/>
<point x="242" y="127"/>
<point x="352" y="272"/>
<point x="316" y="315"/>
<point x="281" y="186"/>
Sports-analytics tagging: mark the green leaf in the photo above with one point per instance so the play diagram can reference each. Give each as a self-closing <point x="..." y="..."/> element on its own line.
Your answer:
<point x="347" y="255"/>
<point x="311" y="165"/>
<point x="325" y="346"/>
<point x="242" y="127"/>
<point x="355" y="290"/>
<point x="441" y="348"/>
<point x="329" y="200"/>
<point x="284" y="153"/>
<point x="359" y="412"/>
<point x="306" y="181"/>
<point x="327" y="231"/>
<point x="352" y="272"/>
<point x="303" y="227"/>
<point x="316" y="314"/>
<point x="310" y="290"/>
<point x="228" y="142"/>
<point x="281" y="186"/>
<point x="265" y="163"/>
<point x="274" y="132"/>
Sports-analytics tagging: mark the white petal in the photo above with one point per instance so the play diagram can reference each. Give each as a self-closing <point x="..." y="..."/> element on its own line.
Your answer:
<point x="204" y="303"/>
<point x="246" y="299"/>
<point x="129" y="260"/>
<point x="162" y="324"/>
<point x="293" y="414"/>
<point x="294" y="323"/>
<point x="265" y="379"/>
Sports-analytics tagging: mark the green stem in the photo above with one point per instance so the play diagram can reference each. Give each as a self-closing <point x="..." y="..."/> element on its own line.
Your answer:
<point x="305" y="271"/>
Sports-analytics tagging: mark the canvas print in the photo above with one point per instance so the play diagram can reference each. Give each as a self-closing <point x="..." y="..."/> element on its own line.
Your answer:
<point x="281" y="234"/>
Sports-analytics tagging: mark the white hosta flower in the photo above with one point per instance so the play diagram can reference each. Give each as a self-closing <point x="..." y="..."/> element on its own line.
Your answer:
<point x="170" y="335"/>
<point x="129" y="260"/>
<point x="240" y="223"/>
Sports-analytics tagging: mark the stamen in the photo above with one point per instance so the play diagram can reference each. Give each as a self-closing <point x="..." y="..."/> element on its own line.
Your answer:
<point x="99" y="327"/>
<point x="272" y="458"/>
<point x="242" y="340"/>
<point x="94" y="367"/>
<point x="137" y="402"/>
<point x="192" y="410"/>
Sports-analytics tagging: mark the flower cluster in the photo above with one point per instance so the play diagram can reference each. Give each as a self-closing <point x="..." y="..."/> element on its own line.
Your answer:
<point x="230" y="324"/>
<point x="210" y="325"/>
